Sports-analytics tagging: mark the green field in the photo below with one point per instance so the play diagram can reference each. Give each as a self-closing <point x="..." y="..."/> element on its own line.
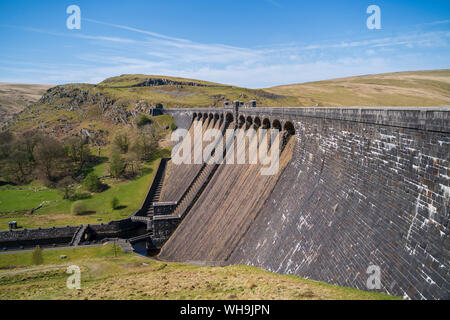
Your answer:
<point x="16" y="202"/>
<point x="128" y="276"/>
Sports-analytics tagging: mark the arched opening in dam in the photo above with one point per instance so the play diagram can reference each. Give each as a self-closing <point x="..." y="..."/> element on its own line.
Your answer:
<point x="276" y="125"/>
<point x="241" y="121"/>
<point x="257" y="122"/>
<point x="249" y="122"/>
<point x="289" y="128"/>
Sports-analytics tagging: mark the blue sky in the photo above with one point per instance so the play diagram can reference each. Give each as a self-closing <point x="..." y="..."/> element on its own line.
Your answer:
<point x="252" y="43"/>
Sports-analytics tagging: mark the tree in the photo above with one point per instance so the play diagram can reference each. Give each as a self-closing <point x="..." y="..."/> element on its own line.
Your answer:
<point x="121" y="142"/>
<point x="116" y="165"/>
<point x="143" y="120"/>
<point x="146" y="142"/>
<point x="36" y="256"/>
<point x="16" y="161"/>
<point x="92" y="183"/>
<point x="66" y="185"/>
<point x="6" y="137"/>
<point x="115" y="203"/>
<point x="78" y="151"/>
<point x="133" y="164"/>
<point x="17" y="167"/>
<point x="29" y="140"/>
<point x="50" y="156"/>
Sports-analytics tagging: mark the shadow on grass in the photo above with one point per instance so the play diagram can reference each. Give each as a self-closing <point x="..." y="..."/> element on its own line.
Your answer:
<point x="86" y="213"/>
<point x="121" y="207"/>
<point x="160" y="153"/>
<point x="94" y="162"/>
<point x="145" y="171"/>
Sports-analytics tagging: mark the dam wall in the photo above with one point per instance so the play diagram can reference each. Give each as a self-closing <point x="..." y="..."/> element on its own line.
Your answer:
<point x="364" y="187"/>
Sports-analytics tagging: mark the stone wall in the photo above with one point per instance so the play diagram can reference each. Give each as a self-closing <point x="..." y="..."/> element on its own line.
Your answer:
<point x="164" y="208"/>
<point x="32" y="237"/>
<point x="115" y="229"/>
<point x="164" y="226"/>
<point x="63" y="235"/>
<point x="364" y="187"/>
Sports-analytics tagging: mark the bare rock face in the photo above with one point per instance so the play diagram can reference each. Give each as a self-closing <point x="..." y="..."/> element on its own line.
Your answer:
<point x="153" y="82"/>
<point x="73" y="97"/>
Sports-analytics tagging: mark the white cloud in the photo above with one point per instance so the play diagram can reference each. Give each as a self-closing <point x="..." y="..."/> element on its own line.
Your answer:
<point x="147" y="52"/>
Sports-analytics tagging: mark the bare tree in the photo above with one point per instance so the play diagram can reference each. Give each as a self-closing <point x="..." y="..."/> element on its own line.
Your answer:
<point x="49" y="154"/>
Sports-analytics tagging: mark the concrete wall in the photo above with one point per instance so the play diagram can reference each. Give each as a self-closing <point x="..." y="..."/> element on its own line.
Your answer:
<point x="364" y="187"/>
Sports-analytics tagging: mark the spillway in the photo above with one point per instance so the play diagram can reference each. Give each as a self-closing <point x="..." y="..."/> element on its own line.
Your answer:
<point x="223" y="212"/>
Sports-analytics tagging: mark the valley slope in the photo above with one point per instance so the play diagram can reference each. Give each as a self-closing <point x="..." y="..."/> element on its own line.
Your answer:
<point x="66" y="109"/>
<point x="15" y="97"/>
<point x="415" y="88"/>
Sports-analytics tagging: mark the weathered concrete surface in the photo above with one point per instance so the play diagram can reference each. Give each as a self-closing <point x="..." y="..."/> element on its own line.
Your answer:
<point x="364" y="187"/>
<point x="182" y="175"/>
<point x="223" y="212"/>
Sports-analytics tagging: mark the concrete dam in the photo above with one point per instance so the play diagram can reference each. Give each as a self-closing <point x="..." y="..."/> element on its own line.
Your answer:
<point x="355" y="188"/>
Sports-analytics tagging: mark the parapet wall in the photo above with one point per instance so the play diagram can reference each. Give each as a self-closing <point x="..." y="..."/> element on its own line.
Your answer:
<point x="364" y="187"/>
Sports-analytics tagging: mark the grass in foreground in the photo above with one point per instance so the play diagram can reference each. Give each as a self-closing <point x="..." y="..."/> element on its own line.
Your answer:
<point x="129" y="276"/>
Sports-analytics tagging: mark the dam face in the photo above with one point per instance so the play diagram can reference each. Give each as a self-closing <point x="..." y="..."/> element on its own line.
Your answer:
<point x="356" y="189"/>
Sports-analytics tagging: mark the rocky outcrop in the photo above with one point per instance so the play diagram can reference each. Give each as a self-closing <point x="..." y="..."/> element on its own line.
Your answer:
<point x="153" y="82"/>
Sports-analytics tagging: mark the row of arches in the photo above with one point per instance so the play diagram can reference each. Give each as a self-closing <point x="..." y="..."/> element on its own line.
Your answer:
<point x="248" y="121"/>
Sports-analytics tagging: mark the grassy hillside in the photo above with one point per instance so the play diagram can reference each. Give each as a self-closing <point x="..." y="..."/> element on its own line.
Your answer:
<point x="115" y="102"/>
<point x="16" y="202"/>
<point x="14" y="97"/>
<point x="127" y="276"/>
<point x="416" y="88"/>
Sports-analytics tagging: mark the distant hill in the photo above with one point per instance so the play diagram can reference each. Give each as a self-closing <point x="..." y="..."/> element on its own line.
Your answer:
<point x="67" y="109"/>
<point x="415" y="88"/>
<point x="14" y="97"/>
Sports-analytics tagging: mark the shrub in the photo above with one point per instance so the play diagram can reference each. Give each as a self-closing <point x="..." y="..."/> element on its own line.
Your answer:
<point x="92" y="183"/>
<point x="80" y="196"/>
<point x="78" y="208"/>
<point x="36" y="256"/>
<point x="116" y="166"/>
<point x="143" y="120"/>
<point x="114" y="203"/>
<point x="121" y="142"/>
